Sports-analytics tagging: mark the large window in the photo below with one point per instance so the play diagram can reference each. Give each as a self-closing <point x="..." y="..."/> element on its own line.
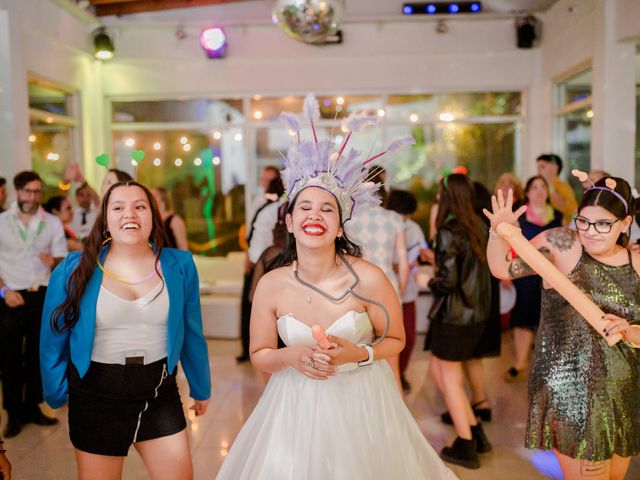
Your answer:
<point x="209" y="152"/>
<point x="195" y="148"/>
<point x="54" y="136"/>
<point x="573" y="116"/>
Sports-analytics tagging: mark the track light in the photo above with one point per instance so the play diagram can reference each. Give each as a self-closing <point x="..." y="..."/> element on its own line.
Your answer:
<point x="103" y="44"/>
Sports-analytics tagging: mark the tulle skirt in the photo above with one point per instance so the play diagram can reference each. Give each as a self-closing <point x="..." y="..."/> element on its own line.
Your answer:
<point x="353" y="426"/>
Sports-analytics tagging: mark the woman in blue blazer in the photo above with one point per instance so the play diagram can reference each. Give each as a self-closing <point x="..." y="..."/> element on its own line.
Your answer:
<point x="117" y="319"/>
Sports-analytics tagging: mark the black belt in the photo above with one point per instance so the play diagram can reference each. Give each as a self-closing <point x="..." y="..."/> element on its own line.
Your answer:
<point x="134" y="361"/>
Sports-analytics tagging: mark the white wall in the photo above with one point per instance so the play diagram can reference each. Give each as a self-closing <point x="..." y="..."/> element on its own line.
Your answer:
<point x="398" y="56"/>
<point x="38" y="37"/>
<point x="603" y="33"/>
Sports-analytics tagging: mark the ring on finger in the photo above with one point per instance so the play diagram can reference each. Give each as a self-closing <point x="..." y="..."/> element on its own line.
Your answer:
<point x="310" y="363"/>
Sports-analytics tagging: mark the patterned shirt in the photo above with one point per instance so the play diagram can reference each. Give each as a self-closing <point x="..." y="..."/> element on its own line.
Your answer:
<point x="375" y="230"/>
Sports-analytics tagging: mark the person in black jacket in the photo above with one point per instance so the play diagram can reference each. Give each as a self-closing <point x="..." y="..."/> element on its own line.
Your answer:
<point x="462" y="300"/>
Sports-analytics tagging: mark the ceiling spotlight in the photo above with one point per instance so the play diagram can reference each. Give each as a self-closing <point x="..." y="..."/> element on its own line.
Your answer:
<point x="103" y="45"/>
<point x="214" y="42"/>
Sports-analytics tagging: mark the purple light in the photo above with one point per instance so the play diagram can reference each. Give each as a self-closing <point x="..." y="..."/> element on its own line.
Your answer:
<point x="454" y="8"/>
<point x="407" y="10"/>
<point x="327" y="103"/>
<point x="214" y="42"/>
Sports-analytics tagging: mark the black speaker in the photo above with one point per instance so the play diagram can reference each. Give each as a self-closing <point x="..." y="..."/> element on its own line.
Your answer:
<point x="526" y="31"/>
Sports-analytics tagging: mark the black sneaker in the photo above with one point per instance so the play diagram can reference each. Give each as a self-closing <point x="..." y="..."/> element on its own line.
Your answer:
<point x="483" y="445"/>
<point x="13" y="428"/>
<point x="462" y="452"/>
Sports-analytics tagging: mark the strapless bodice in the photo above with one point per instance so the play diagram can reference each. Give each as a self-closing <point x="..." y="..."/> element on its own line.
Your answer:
<point x="353" y="326"/>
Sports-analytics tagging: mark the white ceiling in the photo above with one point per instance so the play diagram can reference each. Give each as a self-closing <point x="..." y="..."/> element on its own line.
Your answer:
<point x="260" y="10"/>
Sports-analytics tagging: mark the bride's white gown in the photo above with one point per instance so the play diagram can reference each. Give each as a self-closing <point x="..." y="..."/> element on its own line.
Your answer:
<point x="352" y="426"/>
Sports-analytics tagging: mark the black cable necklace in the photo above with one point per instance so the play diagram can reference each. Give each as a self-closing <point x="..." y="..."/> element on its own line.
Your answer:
<point x="349" y="290"/>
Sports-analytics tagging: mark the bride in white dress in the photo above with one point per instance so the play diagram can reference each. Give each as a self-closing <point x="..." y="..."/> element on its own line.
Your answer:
<point x="327" y="414"/>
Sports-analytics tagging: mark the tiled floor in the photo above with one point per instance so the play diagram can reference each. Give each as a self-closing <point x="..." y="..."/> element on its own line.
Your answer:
<point x="40" y="453"/>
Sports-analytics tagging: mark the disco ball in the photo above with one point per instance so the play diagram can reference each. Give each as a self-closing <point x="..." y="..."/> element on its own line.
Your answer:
<point x="309" y="21"/>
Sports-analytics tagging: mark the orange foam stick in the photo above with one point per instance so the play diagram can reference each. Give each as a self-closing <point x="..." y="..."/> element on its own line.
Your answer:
<point x="320" y="336"/>
<point x="554" y="277"/>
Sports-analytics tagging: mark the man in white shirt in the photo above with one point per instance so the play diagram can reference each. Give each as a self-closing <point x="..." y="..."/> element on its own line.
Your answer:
<point x="259" y="238"/>
<point x="32" y="243"/>
<point x="85" y="215"/>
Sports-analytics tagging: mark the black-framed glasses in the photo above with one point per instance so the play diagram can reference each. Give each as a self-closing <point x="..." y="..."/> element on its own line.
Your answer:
<point x="32" y="192"/>
<point x="600" y="226"/>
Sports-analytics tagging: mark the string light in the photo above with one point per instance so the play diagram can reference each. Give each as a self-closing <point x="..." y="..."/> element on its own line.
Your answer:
<point x="216" y="160"/>
<point x="183" y="140"/>
<point x="413" y="117"/>
<point x="157" y="162"/>
<point x="186" y="147"/>
<point x="197" y="161"/>
<point x="446" y="117"/>
<point x="130" y="142"/>
<point x="157" y="146"/>
<point x="32" y="138"/>
<point x="178" y="162"/>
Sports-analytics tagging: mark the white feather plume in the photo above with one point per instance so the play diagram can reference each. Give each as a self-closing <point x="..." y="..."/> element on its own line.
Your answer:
<point x="311" y="108"/>
<point x="357" y="121"/>
<point x="290" y="120"/>
<point x="399" y="142"/>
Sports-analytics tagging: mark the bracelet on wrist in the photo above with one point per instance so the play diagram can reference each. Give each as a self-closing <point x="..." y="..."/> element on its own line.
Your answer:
<point x="370" y="355"/>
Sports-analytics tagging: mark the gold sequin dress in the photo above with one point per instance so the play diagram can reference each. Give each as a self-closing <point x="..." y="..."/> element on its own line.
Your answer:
<point x="584" y="396"/>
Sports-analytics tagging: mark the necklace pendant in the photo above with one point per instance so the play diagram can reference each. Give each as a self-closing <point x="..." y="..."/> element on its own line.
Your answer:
<point x="308" y="299"/>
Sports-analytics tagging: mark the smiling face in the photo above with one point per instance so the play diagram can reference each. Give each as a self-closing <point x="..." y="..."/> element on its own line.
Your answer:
<point x="129" y="216"/>
<point x="594" y="241"/>
<point x="315" y="218"/>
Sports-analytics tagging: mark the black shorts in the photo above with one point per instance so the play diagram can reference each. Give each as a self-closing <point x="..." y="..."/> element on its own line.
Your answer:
<point x="114" y="406"/>
<point x="455" y="343"/>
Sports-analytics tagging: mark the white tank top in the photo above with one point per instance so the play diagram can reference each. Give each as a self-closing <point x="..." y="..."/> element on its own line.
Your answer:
<point x="131" y="328"/>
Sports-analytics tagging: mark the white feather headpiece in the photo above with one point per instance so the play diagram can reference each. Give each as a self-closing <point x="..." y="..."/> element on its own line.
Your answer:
<point x="316" y="163"/>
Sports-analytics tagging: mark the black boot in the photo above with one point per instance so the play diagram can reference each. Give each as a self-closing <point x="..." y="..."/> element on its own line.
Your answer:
<point x="462" y="452"/>
<point x="483" y="445"/>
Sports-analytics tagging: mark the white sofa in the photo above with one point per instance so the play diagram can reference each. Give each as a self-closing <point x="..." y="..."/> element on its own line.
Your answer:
<point x="220" y="290"/>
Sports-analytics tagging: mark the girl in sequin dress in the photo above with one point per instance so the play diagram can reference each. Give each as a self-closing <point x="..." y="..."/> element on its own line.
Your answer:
<point x="583" y="394"/>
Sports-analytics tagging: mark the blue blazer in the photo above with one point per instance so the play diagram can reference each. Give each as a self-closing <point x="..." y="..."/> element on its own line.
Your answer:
<point x="186" y="341"/>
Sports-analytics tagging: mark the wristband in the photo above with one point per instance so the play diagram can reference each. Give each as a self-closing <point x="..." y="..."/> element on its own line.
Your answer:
<point x="3" y="291"/>
<point x="369" y="359"/>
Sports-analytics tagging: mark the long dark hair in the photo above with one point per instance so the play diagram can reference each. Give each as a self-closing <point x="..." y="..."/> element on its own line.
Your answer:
<point x="69" y="310"/>
<point x="289" y="254"/>
<point x="457" y="200"/>
<point x="606" y="199"/>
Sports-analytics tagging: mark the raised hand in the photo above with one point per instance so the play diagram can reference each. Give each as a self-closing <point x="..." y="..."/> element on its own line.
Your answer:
<point x="503" y="209"/>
